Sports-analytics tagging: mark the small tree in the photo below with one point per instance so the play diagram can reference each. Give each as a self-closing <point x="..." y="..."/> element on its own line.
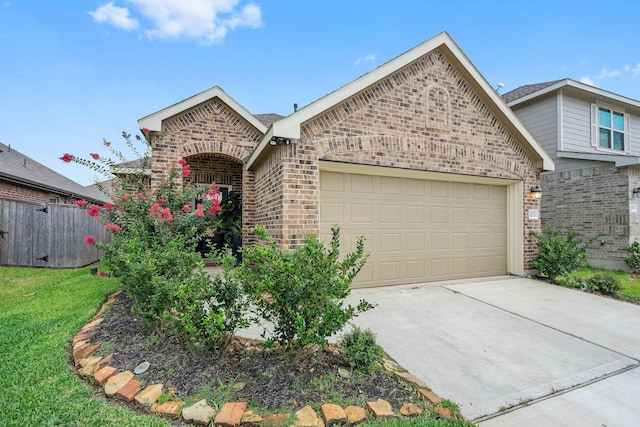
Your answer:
<point x="560" y="253"/>
<point x="155" y="231"/>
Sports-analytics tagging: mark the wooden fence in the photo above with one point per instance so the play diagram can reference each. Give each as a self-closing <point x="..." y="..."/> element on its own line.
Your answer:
<point x="47" y="235"/>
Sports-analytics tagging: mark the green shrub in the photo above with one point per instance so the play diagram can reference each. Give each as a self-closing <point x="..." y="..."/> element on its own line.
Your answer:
<point x="301" y="292"/>
<point x="209" y="310"/>
<point x="633" y="260"/>
<point x="559" y="253"/>
<point x="605" y="283"/>
<point x="361" y="350"/>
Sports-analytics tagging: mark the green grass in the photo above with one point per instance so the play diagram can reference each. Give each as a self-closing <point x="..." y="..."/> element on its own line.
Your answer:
<point x="630" y="286"/>
<point x="39" y="387"/>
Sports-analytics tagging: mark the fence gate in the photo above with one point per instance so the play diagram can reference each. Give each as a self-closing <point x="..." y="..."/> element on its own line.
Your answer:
<point x="47" y="235"/>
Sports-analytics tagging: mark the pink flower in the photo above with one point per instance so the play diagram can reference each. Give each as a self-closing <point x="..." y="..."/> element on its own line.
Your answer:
<point x="112" y="227"/>
<point x="94" y="211"/>
<point x="186" y="171"/>
<point x="145" y="130"/>
<point x="182" y="162"/>
<point x="213" y="209"/>
<point x="165" y="212"/>
<point x="81" y="203"/>
<point x="67" y="158"/>
<point x="90" y="240"/>
<point x="108" y="206"/>
<point x="186" y="208"/>
<point x="154" y="210"/>
<point x="199" y="213"/>
<point x="140" y="196"/>
<point x="95" y="156"/>
<point x="102" y="274"/>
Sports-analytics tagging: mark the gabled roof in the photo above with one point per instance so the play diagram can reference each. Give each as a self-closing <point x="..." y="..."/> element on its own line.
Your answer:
<point x="153" y="122"/>
<point x="22" y="170"/>
<point x="289" y="127"/>
<point x="528" y="92"/>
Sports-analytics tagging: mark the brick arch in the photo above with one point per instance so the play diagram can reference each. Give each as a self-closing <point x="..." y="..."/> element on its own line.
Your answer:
<point x="329" y="147"/>
<point x="214" y="147"/>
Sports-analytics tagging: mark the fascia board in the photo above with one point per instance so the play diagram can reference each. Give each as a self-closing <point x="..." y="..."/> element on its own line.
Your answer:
<point x="261" y="150"/>
<point x="619" y="160"/>
<point x="153" y="122"/>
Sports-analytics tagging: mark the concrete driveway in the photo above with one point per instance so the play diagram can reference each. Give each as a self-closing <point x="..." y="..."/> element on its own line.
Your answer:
<point x="515" y="351"/>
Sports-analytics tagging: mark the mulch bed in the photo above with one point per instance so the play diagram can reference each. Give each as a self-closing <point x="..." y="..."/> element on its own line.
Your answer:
<point x="273" y="380"/>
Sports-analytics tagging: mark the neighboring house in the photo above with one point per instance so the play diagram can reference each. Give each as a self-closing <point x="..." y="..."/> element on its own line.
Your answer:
<point x="421" y="156"/>
<point x="594" y="138"/>
<point x="22" y="178"/>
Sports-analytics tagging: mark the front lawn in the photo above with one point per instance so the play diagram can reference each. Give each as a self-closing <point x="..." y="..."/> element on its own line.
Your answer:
<point x="630" y="286"/>
<point x="40" y="312"/>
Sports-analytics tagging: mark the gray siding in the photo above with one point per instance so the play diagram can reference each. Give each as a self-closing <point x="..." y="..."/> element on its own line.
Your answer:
<point x="576" y="126"/>
<point x="541" y="120"/>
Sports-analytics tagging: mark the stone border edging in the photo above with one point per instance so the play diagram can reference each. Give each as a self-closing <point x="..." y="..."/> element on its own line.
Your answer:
<point x="125" y="386"/>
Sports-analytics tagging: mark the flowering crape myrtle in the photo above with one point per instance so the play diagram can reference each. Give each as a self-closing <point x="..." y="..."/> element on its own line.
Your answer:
<point x="168" y="212"/>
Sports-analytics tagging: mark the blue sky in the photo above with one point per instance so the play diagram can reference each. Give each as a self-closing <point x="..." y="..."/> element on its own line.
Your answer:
<point x="75" y="72"/>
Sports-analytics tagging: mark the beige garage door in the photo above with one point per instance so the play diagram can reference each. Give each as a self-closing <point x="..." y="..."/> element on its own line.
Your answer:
<point x="417" y="230"/>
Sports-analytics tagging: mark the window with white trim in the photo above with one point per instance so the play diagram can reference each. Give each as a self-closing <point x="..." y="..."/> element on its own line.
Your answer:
<point x="611" y="129"/>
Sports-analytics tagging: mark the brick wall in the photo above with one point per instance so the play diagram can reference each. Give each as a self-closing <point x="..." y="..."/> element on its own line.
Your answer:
<point x="211" y="127"/>
<point x="591" y="201"/>
<point x="424" y="117"/>
<point x="16" y="192"/>
<point x="13" y="191"/>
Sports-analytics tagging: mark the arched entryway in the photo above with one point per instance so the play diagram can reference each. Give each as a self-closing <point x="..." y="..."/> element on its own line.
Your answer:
<point x="226" y="171"/>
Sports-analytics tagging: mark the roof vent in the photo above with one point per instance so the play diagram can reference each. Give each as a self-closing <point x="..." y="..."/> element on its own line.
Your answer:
<point x="295" y="107"/>
<point x="25" y="163"/>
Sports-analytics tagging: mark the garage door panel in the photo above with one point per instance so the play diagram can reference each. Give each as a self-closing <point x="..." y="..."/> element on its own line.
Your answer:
<point x="332" y="213"/>
<point x="390" y="185"/>
<point x="361" y="213"/>
<point x="361" y="183"/>
<point x="390" y="214"/>
<point x="415" y="242"/>
<point x="390" y="244"/>
<point x="417" y="230"/>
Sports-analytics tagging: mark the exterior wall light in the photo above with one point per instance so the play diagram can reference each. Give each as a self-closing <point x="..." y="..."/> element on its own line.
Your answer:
<point x="636" y="192"/>
<point x="279" y="141"/>
<point x="535" y="192"/>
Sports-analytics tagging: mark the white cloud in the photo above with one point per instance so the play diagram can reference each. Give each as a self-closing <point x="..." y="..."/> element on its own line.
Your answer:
<point x="367" y="58"/>
<point x="206" y="20"/>
<point x="606" y="74"/>
<point x="114" y="15"/>
<point x="587" y="80"/>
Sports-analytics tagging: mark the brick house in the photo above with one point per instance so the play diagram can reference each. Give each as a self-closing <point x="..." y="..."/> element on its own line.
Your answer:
<point x="593" y="136"/>
<point x="24" y="179"/>
<point x="421" y="156"/>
